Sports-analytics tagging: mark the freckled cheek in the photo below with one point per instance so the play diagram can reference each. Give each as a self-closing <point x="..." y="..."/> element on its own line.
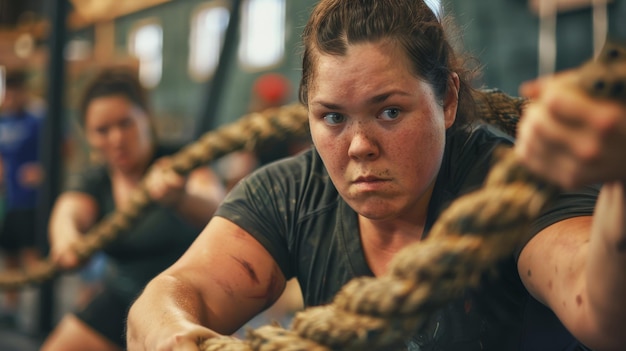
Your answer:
<point x="329" y="147"/>
<point x="334" y="157"/>
<point x="334" y="161"/>
<point x="415" y="152"/>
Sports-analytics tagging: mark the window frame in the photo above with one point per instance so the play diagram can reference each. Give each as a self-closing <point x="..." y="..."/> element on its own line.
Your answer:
<point x="132" y="33"/>
<point x="194" y="73"/>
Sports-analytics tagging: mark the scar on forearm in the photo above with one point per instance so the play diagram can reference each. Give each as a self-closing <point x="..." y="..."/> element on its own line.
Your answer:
<point x="272" y="292"/>
<point x="225" y="286"/>
<point x="247" y="267"/>
<point x="579" y="300"/>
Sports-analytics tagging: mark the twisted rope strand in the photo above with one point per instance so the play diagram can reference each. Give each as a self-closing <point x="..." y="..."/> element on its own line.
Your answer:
<point x="246" y="133"/>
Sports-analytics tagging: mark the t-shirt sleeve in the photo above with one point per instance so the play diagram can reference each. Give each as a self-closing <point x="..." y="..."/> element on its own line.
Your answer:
<point x="568" y="204"/>
<point x="258" y="204"/>
<point x="90" y="181"/>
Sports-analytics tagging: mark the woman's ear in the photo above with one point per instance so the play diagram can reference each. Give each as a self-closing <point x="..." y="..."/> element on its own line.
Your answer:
<point x="451" y="102"/>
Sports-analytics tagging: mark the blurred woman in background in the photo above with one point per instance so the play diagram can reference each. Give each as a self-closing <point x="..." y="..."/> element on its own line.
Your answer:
<point x="117" y="124"/>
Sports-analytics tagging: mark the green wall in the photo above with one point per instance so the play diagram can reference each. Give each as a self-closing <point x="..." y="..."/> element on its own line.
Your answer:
<point x="503" y="35"/>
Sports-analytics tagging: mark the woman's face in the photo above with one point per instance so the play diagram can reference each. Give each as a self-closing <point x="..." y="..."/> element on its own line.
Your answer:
<point x="379" y="130"/>
<point x="119" y="132"/>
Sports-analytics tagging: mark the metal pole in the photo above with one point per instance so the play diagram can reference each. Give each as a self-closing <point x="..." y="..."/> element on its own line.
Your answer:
<point x="217" y="85"/>
<point x="51" y="148"/>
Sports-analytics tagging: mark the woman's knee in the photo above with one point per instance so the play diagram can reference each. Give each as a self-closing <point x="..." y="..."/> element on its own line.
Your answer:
<point x="73" y="334"/>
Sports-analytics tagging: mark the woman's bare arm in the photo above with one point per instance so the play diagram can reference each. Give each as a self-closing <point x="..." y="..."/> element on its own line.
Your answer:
<point x="72" y="215"/>
<point x="224" y="279"/>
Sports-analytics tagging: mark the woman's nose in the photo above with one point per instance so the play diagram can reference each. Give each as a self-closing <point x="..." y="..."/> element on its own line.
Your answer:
<point x="363" y="145"/>
<point x="116" y="135"/>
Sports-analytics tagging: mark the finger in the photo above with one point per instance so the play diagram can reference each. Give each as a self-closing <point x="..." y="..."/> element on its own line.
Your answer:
<point x="608" y="117"/>
<point x="175" y="180"/>
<point x="530" y="89"/>
<point x="573" y="109"/>
<point x="544" y="146"/>
<point x="163" y="163"/>
<point x="186" y="346"/>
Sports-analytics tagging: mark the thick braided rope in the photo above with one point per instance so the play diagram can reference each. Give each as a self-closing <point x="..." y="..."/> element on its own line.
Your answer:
<point x="246" y="133"/>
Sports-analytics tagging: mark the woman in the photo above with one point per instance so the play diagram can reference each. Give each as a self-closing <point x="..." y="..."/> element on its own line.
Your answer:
<point x="115" y="116"/>
<point x="390" y="113"/>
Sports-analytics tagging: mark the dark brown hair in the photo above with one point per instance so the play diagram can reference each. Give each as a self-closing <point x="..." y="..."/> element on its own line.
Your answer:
<point x="111" y="81"/>
<point x="335" y="24"/>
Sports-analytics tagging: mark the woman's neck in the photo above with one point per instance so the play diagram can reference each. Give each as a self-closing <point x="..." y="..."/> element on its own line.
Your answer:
<point x="383" y="240"/>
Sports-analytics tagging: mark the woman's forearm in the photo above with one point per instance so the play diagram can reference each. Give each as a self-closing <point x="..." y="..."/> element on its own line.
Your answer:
<point x="177" y="321"/>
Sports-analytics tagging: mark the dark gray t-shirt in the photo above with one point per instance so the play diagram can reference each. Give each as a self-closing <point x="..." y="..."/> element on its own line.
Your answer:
<point x="292" y="208"/>
<point x="157" y="240"/>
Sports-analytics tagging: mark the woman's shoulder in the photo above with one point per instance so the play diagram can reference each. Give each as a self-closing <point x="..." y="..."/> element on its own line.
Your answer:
<point x="469" y="156"/>
<point x="90" y="177"/>
<point x="301" y="178"/>
<point x="476" y="144"/>
<point x="305" y="164"/>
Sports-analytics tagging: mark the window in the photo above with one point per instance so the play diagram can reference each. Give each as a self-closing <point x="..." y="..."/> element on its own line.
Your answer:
<point x="208" y="28"/>
<point x="146" y="44"/>
<point x="263" y="33"/>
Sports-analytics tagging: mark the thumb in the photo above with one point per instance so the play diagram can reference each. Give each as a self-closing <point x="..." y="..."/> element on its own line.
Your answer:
<point x="187" y="346"/>
<point x="531" y="88"/>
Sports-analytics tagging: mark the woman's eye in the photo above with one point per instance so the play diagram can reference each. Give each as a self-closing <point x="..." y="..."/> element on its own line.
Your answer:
<point x="390" y="114"/>
<point x="333" y="118"/>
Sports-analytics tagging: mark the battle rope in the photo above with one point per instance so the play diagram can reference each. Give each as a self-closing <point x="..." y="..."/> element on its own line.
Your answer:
<point x="475" y="232"/>
<point x="246" y="133"/>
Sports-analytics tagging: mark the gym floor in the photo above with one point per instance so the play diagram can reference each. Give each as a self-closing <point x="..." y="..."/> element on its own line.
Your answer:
<point x="25" y="336"/>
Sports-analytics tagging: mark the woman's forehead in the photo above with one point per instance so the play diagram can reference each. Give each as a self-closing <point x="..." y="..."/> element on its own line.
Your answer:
<point x="364" y="63"/>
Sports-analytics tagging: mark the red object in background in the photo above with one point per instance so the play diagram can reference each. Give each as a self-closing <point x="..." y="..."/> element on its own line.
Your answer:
<point x="272" y="88"/>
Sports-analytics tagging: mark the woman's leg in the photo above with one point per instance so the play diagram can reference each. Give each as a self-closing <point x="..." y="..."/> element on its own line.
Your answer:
<point x="72" y="334"/>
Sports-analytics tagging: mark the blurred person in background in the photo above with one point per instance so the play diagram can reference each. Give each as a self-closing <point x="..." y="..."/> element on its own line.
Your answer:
<point x="115" y="115"/>
<point x="21" y="176"/>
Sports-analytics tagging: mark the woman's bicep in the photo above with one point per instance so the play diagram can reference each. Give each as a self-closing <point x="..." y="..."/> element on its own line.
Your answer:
<point x="552" y="265"/>
<point x="233" y="273"/>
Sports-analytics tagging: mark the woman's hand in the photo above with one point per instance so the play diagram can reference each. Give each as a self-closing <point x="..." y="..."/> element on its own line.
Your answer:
<point x="165" y="186"/>
<point x="569" y="137"/>
<point x="63" y="252"/>
<point x="177" y="336"/>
